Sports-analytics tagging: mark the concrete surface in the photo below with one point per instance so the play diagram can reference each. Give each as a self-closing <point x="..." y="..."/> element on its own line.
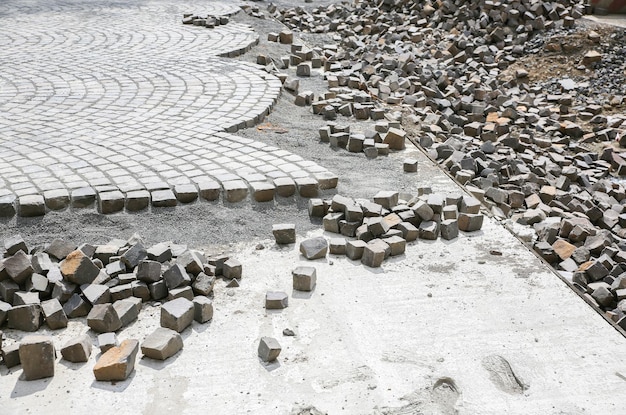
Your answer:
<point x="369" y="341"/>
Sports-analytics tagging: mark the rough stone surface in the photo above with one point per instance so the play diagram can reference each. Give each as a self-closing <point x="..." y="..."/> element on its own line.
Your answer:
<point x="117" y="363"/>
<point x="77" y="350"/>
<point x="37" y="355"/>
<point x="162" y="344"/>
<point x="177" y="314"/>
<point x="314" y="248"/>
<point x="304" y="278"/>
<point x="269" y="349"/>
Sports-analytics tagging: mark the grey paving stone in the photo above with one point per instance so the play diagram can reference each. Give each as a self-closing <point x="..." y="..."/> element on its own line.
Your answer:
<point x="137" y="200"/>
<point x="31" y="205"/>
<point x="177" y="314"/>
<point x="37" y="355"/>
<point x="163" y="198"/>
<point x="78" y="349"/>
<point x="57" y="199"/>
<point x="110" y="202"/>
<point x="235" y="190"/>
<point x="269" y="349"/>
<point x="162" y="344"/>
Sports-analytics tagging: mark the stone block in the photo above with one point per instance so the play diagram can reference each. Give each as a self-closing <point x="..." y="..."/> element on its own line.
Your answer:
<point x="331" y="221"/>
<point x="62" y="290"/>
<point x="13" y="244"/>
<point x="60" y="248"/>
<point x="117" y="363"/>
<point x="37" y="355"/>
<point x="96" y="293"/>
<point x="18" y="267"/>
<point x="203" y="284"/>
<point x="56" y="199"/>
<point x="158" y="290"/>
<point x="337" y="246"/>
<point x="107" y="341"/>
<point x="41" y="263"/>
<point x="24" y="298"/>
<point x="374" y="253"/>
<point x="209" y="190"/>
<point x="395" y="139"/>
<point x="25" y="317"/>
<point x="409" y="231"/>
<point x="180" y="292"/>
<point x="7" y="206"/>
<point x="134" y="255"/>
<point x="202" y="309"/>
<point x="235" y="190"/>
<point x="354" y="249"/>
<point x="11" y="355"/>
<point x="232" y="269"/>
<point x="449" y="229"/>
<point x="409" y="165"/>
<point x="4" y="310"/>
<point x="177" y="314"/>
<point x="126" y="310"/>
<point x="314" y="248"/>
<point x="429" y="230"/>
<point x="386" y="199"/>
<point x="103" y="318"/>
<point x="110" y="202"/>
<point x="304" y="278"/>
<point x="160" y="252"/>
<point x="262" y="191"/>
<point x="397" y="245"/>
<point x="122" y="291"/>
<point x="54" y="315"/>
<point x="77" y="350"/>
<point x="285" y="186"/>
<point x="8" y="288"/>
<point x="470" y="222"/>
<point x="31" y="206"/>
<point x="163" y="198"/>
<point x="186" y="193"/>
<point x="83" y="197"/>
<point x="137" y="200"/>
<point x="162" y="344"/>
<point x="149" y="271"/>
<point x="176" y="276"/>
<point x="269" y="349"/>
<point x="307" y="187"/>
<point x="275" y="300"/>
<point x="285" y="36"/>
<point x="77" y="268"/>
<point x="284" y="233"/>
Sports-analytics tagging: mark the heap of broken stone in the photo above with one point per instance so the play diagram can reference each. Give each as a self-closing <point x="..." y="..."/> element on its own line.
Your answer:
<point x="383" y="137"/>
<point x="49" y="285"/>
<point x="381" y="228"/>
<point x="107" y="284"/>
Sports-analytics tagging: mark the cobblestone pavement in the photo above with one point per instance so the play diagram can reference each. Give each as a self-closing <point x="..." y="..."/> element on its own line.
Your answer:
<point x="115" y="97"/>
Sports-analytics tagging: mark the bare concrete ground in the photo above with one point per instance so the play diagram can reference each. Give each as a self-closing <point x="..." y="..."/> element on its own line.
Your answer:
<point x="446" y="328"/>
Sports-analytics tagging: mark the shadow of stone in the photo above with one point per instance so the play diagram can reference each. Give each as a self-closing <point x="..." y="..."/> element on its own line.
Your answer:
<point x="28" y="387"/>
<point x="116" y="386"/>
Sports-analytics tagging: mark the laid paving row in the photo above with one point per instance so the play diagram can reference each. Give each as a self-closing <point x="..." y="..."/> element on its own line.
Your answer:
<point x="128" y="99"/>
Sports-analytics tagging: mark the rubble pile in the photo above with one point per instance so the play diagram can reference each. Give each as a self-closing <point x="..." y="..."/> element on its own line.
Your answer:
<point x="544" y="154"/>
<point x="381" y="228"/>
<point x="107" y="285"/>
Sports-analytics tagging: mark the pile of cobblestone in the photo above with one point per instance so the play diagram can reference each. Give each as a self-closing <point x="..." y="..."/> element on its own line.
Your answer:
<point x="544" y="155"/>
<point x="381" y="228"/>
<point x="107" y="285"/>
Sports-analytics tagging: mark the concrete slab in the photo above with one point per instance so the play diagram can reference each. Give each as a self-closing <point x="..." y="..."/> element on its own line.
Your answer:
<point x="444" y="313"/>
